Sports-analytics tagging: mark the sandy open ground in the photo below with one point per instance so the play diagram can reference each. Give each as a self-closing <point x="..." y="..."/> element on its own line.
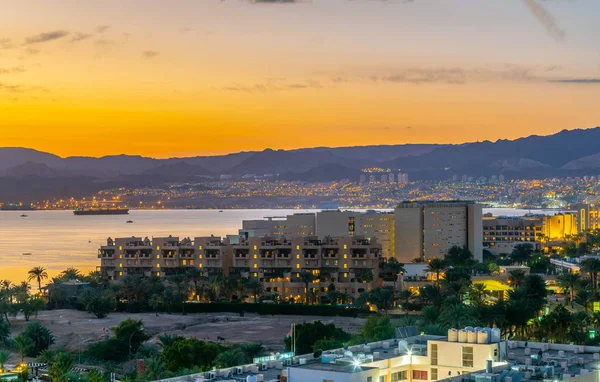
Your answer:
<point x="75" y="329"/>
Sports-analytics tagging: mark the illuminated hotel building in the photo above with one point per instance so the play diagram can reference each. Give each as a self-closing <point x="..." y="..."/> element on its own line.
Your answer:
<point x="502" y="233"/>
<point x="276" y="261"/>
<point x="587" y="215"/>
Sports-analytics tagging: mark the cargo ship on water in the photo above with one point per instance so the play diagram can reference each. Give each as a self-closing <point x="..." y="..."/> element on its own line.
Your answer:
<point x="101" y="211"/>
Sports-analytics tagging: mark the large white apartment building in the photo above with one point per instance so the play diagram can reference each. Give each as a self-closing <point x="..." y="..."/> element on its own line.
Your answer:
<point x="422" y="230"/>
<point x="427" y="229"/>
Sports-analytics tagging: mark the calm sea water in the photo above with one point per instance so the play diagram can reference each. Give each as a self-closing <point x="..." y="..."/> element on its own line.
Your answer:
<point x="59" y="239"/>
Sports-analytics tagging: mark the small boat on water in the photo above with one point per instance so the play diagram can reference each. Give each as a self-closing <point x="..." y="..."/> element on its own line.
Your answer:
<point x="129" y="221"/>
<point x="23" y="216"/>
<point x="27" y="254"/>
<point x="220" y="210"/>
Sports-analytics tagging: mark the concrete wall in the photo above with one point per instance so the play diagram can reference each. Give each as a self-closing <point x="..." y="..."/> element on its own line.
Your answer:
<point x="408" y="231"/>
<point x="475" y="230"/>
<point x="299" y="374"/>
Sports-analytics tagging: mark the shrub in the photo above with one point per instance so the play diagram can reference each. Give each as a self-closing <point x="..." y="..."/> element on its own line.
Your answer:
<point x="190" y="352"/>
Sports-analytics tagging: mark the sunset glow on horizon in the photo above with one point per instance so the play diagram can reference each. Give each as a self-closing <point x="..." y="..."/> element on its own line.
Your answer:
<point x="187" y="78"/>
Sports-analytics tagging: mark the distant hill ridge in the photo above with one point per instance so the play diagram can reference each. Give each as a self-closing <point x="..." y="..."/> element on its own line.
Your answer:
<point x="569" y="152"/>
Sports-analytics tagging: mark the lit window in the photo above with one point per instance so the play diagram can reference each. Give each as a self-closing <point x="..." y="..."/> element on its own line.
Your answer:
<point x="157" y="248"/>
<point x="255" y="265"/>
<point x="157" y="265"/>
<point x="158" y="256"/>
<point x="345" y="246"/>
<point x="199" y="256"/>
<point x="345" y="255"/>
<point x="297" y="265"/>
<point x="158" y="274"/>
<point x="200" y="247"/>
<point x="297" y="256"/>
<point x="120" y="247"/>
<point x="184" y="262"/>
<point x="255" y="255"/>
<point x="297" y="247"/>
<point x="120" y="273"/>
<point x="120" y="256"/>
<point x="345" y="265"/>
<point x="120" y="265"/>
<point x="345" y="275"/>
<point x="255" y="247"/>
<point x="200" y="265"/>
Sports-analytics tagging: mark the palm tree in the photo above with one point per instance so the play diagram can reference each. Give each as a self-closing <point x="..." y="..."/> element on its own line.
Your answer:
<point x="70" y="274"/>
<point x="62" y="364"/>
<point x="155" y="369"/>
<point x="256" y="288"/>
<point x="307" y="278"/>
<point x="194" y="276"/>
<point x="155" y="302"/>
<point x="436" y="266"/>
<point x="477" y="294"/>
<point x="516" y="277"/>
<point x="4" y="356"/>
<point x="592" y="267"/>
<point x="181" y="287"/>
<point x="96" y="375"/>
<point x="394" y="268"/>
<point x="521" y="253"/>
<point x="584" y="297"/>
<point x="22" y="344"/>
<point x="456" y="316"/>
<point x="39" y="274"/>
<point x="241" y="287"/>
<point x="432" y="294"/>
<point x="569" y="282"/>
<point x="404" y="298"/>
<point x="7" y="287"/>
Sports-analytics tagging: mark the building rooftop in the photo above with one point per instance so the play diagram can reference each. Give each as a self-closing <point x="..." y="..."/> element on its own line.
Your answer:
<point x="338" y="368"/>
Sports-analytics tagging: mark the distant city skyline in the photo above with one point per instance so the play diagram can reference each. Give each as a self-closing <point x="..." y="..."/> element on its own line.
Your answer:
<point x="214" y="77"/>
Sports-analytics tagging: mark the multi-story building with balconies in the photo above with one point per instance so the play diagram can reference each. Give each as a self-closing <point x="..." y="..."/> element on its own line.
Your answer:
<point x="350" y="263"/>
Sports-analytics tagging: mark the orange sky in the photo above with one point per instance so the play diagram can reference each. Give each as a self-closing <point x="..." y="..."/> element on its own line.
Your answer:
<point x="196" y="78"/>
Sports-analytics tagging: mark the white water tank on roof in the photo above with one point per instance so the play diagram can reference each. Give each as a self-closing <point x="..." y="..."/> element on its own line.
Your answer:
<point x="452" y="335"/>
<point x="472" y="337"/>
<point x="495" y="335"/>
<point x="462" y="335"/>
<point x="482" y="337"/>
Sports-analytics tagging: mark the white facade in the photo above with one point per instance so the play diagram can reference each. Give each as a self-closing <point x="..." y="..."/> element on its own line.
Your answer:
<point x="426" y="230"/>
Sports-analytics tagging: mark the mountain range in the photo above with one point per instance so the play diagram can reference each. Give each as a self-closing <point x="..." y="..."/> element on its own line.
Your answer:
<point x="29" y="173"/>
